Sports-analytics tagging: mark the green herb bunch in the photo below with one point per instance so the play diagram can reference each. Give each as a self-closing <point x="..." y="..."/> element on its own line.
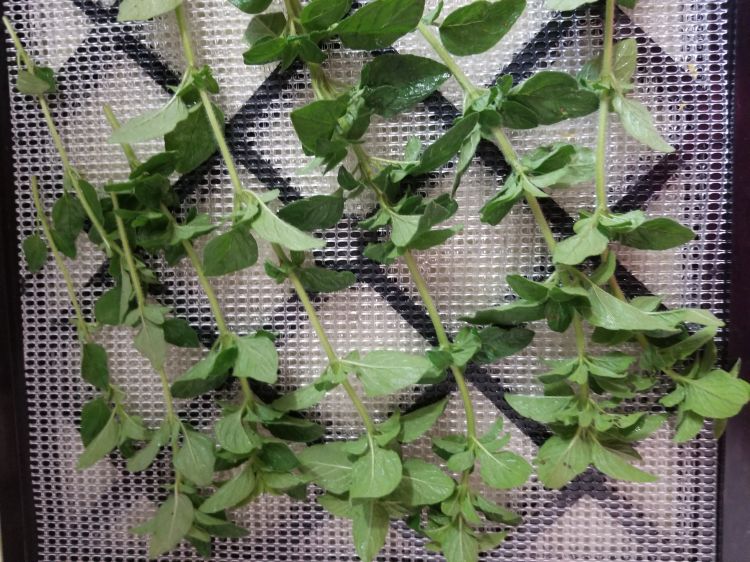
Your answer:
<point x="587" y="397"/>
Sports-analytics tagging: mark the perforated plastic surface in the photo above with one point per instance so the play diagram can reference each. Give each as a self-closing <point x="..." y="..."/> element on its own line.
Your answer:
<point x="682" y="76"/>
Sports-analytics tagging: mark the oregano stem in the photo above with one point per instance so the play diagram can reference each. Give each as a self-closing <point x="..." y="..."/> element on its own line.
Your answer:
<point x="443" y="340"/>
<point x="69" y="285"/>
<point x="141" y="301"/>
<point x="187" y="43"/>
<point x="604" y="102"/>
<point x="325" y="342"/>
<point x="193" y="256"/>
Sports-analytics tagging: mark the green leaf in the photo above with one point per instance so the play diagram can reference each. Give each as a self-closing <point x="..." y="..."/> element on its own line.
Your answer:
<point x="560" y="165"/>
<point x="295" y="429"/>
<point x="615" y="465"/>
<point x="172" y="522"/>
<point x="575" y="249"/>
<point x="316" y="122"/>
<point x="316" y="212"/>
<point x="689" y="425"/>
<point x="207" y="374"/>
<point x="145" y="457"/>
<point x="35" y="251"/>
<point x="192" y="140"/>
<point x="101" y="445"/>
<point x="423" y="484"/>
<point x="394" y="83"/>
<point x="195" y="459"/>
<point x="417" y="423"/>
<point x="544" y="409"/>
<point x="138" y="10"/>
<point x="459" y="544"/>
<point x="321" y="280"/>
<point x="624" y="63"/>
<point x="384" y="372"/>
<point x="41" y="81"/>
<point x="197" y="226"/>
<point x="658" y="234"/>
<point x="232" y="492"/>
<point x="94" y="417"/>
<point x="234" y="435"/>
<point x="278" y="457"/>
<point x="638" y="123"/>
<point x="369" y="528"/>
<point x="177" y="331"/>
<point x="376" y="474"/>
<point x="495" y="512"/>
<point x="328" y="466"/>
<point x="272" y="229"/>
<point x="561" y="459"/>
<point x="319" y="15"/>
<point x="498" y="343"/>
<point x="151" y="343"/>
<point x="516" y="312"/>
<point x="94" y="369"/>
<point x="152" y="124"/>
<point x="257" y="359"/>
<point x="607" y="311"/>
<point x="503" y="470"/>
<point x="269" y="49"/>
<point x="107" y="307"/>
<point x="230" y="252"/>
<point x="446" y="147"/>
<point x="380" y="23"/>
<point x="553" y="97"/>
<point x="251" y="6"/>
<point x="265" y="26"/>
<point x="477" y="27"/>
<point x="68" y="217"/>
<point x="716" y="395"/>
<point x="527" y="289"/>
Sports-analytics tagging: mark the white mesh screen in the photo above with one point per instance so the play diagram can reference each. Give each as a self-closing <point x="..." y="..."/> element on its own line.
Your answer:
<point x="682" y="77"/>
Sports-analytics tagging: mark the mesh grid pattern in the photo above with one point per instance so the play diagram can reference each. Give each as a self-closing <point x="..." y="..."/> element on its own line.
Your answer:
<point x="682" y="77"/>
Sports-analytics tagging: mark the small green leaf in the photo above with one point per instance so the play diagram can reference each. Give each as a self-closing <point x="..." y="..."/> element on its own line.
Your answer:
<point x="503" y="470"/>
<point x="316" y="212"/>
<point x="689" y="425"/>
<point x="658" y="234"/>
<point x="321" y="280"/>
<point x="460" y="544"/>
<point x="553" y="97"/>
<point x="195" y="459"/>
<point x="477" y="27"/>
<point x="615" y="465"/>
<point x="94" y="369"/>
<point x="638" y="123"/>
<point x="328" y="466"/>
<point x="295" y="429"/>
<point x="138" y="10"/>
<point x="394" y="83"/>
<point x="544" y="409"/>
<point x="278" y="457"/>
<point x="716" y="395"/>
<point x="41" y="81"/>
<point x="447" y="146"/>
<point x="207" y="374"/>
<point x="230" y="252"/>
<point x="561" y="459"/>
<point x="177" y="331"/>
<point x="68" y="217"/>
<point x="319" y="15"/>
<point x="417" y="423"/>
<point x="141" y="460"/>
<point x="380" y="23"/>
<point x="272" y="229"/>
<point x="265" y="26"/>
<point x="516" y="312"/>
<point x="384" y="372"/>
<point x="172" y="522"/>
<point x="423" y="484"/>
<point x="369" y="528"/>
<point x="498" y="343"/>
<point x="192" y="140"/>
<point x="152" y="124"/>
<point x="151" y="343"/>
<point x="575" y="249"/>
<point x="234" y="435"/>
<point x="94" y="417"/>
<point x="101" y="445"/>
<point x="316" y="122"/>
<point x="376" y="474"/>
<point x="251" y="6"/>
<point x="257" y="359"/>
<point x="35" y="251"/>
<point x="232" y="492"/>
